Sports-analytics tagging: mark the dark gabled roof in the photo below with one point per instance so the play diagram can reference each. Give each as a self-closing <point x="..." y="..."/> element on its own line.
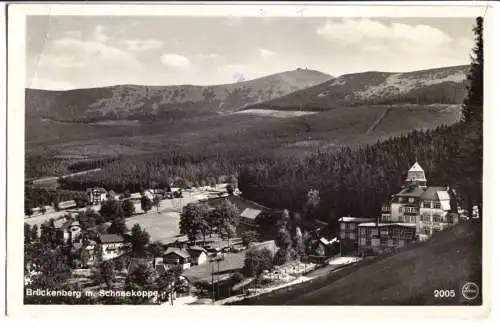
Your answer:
<point x="178" y="252"/>
<point x="238" y="201"/>
<point x="196" y="253"/>
<point x="110" y="238"/>
<point x="94" y="189"/>
<point x="197" y="248"/>
<point x="413" y="191"/>
<point x="431" y="193"/>
<point x="327" y="233"/>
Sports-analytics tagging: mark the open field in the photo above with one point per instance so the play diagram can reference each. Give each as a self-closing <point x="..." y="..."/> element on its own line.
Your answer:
<point x="163" y="226"/>
<point x="408" y="277"/>
<point x="274" y="113"/>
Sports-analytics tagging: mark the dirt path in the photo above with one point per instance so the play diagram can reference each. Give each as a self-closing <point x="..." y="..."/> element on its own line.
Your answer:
<point x="378" y="121"/>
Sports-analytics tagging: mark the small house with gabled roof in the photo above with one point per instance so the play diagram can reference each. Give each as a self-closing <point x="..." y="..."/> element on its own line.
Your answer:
<point x="198" y="255"/>
<point x="177" y="257"/>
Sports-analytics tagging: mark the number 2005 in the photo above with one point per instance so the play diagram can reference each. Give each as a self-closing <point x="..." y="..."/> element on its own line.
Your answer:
<point x="444" y="293"/>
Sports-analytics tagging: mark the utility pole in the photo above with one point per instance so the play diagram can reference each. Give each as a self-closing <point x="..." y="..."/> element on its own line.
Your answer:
<point x="213" y="288"/>
<point x="218" y="272"/>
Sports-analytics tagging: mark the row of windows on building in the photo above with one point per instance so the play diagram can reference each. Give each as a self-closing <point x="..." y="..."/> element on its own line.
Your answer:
<point x="426" y="217"/>
<point x="425" y="204"/>
<point x="385" y="232"/>
<point x="351" y="226"/>
<point x="408" y="209"/>
<point x="351" y="235"/>
<point x="373" y="232"/>
<point x="382" y="242"/>
<point x="436" y="218"/>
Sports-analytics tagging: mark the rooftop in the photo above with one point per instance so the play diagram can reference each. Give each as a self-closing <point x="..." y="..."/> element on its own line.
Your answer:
<point x="413" y="191"/>
<point x="387" y="224"/>
<point x="179" y="252"/>
<point x="110" y="238"/>
<point x="435" y="193"/>
<point x="197" y="248"/>
<point x="239" y="202"/>
<point x="96" y="189"/>
<point x="416" y="167"/>
<point x="250" y="213"/>
<point x="355" y="220"/>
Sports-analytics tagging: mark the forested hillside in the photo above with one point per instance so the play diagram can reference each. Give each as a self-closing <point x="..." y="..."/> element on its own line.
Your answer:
<point x="356" y="182"/>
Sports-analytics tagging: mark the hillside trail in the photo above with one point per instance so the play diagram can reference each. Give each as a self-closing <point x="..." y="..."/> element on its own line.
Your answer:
<point x="378" y="121"/>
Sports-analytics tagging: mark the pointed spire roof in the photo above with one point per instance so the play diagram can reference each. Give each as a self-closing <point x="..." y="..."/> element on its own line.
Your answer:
<point x="416" y="167"/>
<point x="416" y="174"/>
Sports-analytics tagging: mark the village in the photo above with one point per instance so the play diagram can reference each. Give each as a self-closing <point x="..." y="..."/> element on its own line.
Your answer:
<point x="230" y="259"/>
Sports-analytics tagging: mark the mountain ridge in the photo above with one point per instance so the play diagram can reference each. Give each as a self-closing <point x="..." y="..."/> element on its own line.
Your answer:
<point x="143" y="102"/>
<point x="445" y="85"/>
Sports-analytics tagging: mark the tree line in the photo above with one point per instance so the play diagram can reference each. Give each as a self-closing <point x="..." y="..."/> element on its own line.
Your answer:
<point x="137" y="174"/>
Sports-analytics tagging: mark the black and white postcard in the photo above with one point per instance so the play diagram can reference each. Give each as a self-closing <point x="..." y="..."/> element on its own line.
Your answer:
<point x="225" y="156"/>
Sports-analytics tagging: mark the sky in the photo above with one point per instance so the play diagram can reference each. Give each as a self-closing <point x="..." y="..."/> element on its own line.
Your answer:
<point x="68" y="52"/>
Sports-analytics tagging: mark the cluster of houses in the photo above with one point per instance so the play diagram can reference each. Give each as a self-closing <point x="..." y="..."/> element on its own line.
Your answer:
<point x="414" y="214"/>
<point x="97" y="195"/>
<point x="94" y="246"/>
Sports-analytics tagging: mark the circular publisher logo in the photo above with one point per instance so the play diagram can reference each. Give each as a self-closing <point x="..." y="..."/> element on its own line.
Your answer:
<point x="470" y="291"/>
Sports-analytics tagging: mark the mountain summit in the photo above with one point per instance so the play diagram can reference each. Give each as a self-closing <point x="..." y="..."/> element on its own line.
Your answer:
<point x="440" y="85"/>
<point x="164" y="102"/>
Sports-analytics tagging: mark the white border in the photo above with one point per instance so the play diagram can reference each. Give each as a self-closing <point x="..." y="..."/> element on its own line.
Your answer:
<point x="16" y="53"/>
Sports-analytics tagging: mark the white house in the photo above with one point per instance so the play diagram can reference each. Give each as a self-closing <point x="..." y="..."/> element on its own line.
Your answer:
<point x="112" y="246"/>
<point x="149" y="194"/>
<point x="71" y="231"/>
<point x="89" y="253"/>
<point x="96" y="195"/>
<point x="198" y="255"/>
<point x="427" y="207"/>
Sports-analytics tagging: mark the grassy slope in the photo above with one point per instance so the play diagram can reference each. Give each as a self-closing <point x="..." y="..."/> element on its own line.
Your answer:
<point x="441" y="85"/>
<point x="410" y="277"/>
